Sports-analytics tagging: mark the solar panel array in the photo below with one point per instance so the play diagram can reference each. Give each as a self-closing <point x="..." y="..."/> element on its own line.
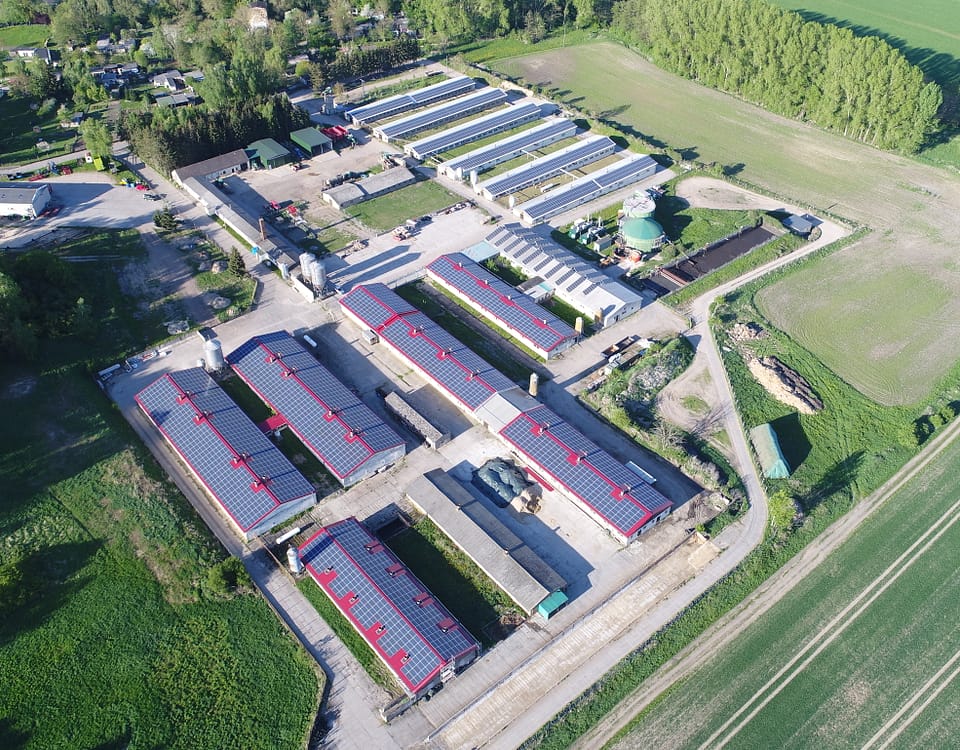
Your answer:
<point x="393" y="105"/>
<point x="400" y="619"/>
<point x="336" y="425"/>
<point x="425" y="345"/>
<point x="515" y="311"/>
<point x="436" y="116"/>
<point x="487" y="157"/>
<point x="474" y="130"/>
<point x="580" y="153"/>
<point x="588" y="187"/>
<point x="247" y="475"/>
<point x="590" y="474"/>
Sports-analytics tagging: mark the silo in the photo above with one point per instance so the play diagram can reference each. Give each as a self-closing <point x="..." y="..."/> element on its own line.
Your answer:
<point x="641" y="235"/>
<point x="639" y="206"/>
<point x="318" y="275"/>
<point x="305" y="260"/>
<point x="213" y="353"/>
<point x="293" y="560"/>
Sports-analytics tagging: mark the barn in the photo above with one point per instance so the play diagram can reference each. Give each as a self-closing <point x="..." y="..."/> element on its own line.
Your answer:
<point x="23" y="200"/>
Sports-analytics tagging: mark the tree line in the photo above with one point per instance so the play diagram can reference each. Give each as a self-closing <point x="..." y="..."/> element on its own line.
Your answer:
<point x="356" y="63"/>
<point x="858" y="86"/>
<point x="172" y="137"/>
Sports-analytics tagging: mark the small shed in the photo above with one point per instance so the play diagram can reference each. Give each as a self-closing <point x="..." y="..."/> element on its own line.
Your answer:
<point x="799" y="225"/>
<point x="311" y="140"/>
<point x="767" y="446"/>
<point x="269" y="153"/>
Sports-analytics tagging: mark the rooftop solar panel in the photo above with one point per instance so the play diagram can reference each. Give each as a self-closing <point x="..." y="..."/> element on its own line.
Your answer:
<point x="474" y="130"/>
<point x="247" y="475"/>
<point x="487" y="157"/>
<point x="404" y="623"/>
<point x="334" y="423"/>
<point x="393" y="105"/>
<point x="515" y="311"/>
<point x="588" y="473"/>
<point x="436" y="116"/>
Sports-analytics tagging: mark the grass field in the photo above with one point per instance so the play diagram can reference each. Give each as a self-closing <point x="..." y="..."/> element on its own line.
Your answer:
<point x="113" y="629"/>
<point x="875" y="657"/>
<point x="24" y="35"/>
<point x="19" y="139"/>
<point x="905" y="203"/>
<point x="388" y="211"/>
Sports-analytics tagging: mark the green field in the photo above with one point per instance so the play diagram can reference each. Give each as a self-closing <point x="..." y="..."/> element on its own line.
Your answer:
<point x="905" y="203"/>
<point x="874" y="659"/>
<point x="391" y="210"/>
<point x="18" y="138"/>
<point x="926" y="31"/>
<point x="120" y="624"/>
<point x="24" y="35"/>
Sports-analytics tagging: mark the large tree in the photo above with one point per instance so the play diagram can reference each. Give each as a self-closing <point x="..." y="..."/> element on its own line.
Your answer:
<point x="96" y="137"/>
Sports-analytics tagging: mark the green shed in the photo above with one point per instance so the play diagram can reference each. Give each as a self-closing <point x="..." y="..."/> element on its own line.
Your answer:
<point x="311" y="140"/>
<point x="552" y="604"/>
<point x="269" y="153"/>
<point x="767" y="446"/>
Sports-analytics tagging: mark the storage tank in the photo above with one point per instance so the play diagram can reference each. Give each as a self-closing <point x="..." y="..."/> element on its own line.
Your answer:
<point x="642" y="235"/>
<point x="318" y="275"/>
<point x="639" y="206"/>
<point x="293" y="560"/>
<point x="305" y="260"/>
<point x="213" y="353"/>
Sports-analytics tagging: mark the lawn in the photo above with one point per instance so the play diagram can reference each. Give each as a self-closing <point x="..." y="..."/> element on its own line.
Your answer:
<point x="17" y="134"/>
<point x="388" y="211"/>
<point x="113" y="631"/>
<point x="882" y="654"/>
<point x="473" y="145"/>
<point x="464" y="589"/>
<point x="904" y="202"/>
<point x="24" y="35"/>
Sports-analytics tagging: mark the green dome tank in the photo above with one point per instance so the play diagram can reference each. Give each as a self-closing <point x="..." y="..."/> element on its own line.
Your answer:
<point x="644" y="235"/>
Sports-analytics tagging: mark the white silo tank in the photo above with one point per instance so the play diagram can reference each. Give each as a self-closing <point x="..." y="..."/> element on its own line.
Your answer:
<point x="318" y="275"/>
<point x="293" y="560"/>
<point x="305" y="260"/>
<point x="213" y="353"/>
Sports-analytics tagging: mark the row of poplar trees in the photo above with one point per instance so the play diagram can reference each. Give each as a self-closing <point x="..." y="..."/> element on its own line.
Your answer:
<point x="859" y="86"/>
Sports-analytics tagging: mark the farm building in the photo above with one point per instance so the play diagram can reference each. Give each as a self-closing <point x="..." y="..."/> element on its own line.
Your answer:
<point x="456" y="109"/>
<point x="215" y="168"/>
<point x="521" y="317"/>
<point x="799" y="225"/>
<point x="767" y="446"/>
<point x="412" y="633"/>
<point x="311" y="140"/>
<point x="578" y="283"/>
<point x="627" y="171"/>
<point x="247" y="475"/>
<point x="605" y="489"/>
<point x="349" y="193"/>
<point x="23" y="199"/>
<point x="269" y="153"/>
<point x="350" y="440"/>
<point x="496" y="550"/>
<point x="395" y="105"/>
<point x="480" y="127"/>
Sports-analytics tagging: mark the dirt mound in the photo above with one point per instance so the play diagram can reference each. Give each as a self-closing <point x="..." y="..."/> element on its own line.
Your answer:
<point x="785" y="385"/>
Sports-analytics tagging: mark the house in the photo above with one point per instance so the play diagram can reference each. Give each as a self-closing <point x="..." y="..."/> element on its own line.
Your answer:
<point x="23" y="200"/>
<point x="49" y="56"/>
<point x="257" y="16"/>
<point x="172" y="80"/>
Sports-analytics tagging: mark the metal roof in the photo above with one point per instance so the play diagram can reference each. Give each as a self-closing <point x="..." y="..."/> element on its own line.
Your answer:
<point x="382" y="108"/>
<point x="517" y="313"/>
<point x="425" y="345"/>
<point x="14" y="192"/>
<point x="631" y="169"/>
<point x="395" y="613"/>
<point x="337" y="426"/>
<point x="436" y="116"/>
<point x="236" y="158"/>
<point x="577" y="155"/>
<point x="608" y="488"/>
<point x="474" y="130"/>
<point x="487" y="157"/>
<point x="246" y="473"/>
<point x="310" y="138"/>
<point x="268" y="149"/>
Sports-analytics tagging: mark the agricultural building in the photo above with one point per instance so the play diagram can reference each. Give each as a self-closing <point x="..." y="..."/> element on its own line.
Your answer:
<point x="627" y="171"/>
<point x="487" y="157"/>
<point x="507" y="307"/>
<point x="269" y="153"/>
<point x="395" y="105"/>
<point x="578" y="283"/>
<point x="799" y="225"/>
<point x="641" y="235"/>
<point x="407" y="127"/>
<point x="247" y="475"/>
<point x="559" y="162"/>
<point x="412" y="633"/>
<point x="406" y="413"/>
<point x="215" y="168"/>
<point x="605" y="489"/>
<point x="474" y="130"/>
<point x="767" y="446"/>
<point x="375" y="185"/>
<point x="311" y="140"/>
<point x="23" y="200"/>
<point x="336" y="426"/>
<point x="496" y="550"/>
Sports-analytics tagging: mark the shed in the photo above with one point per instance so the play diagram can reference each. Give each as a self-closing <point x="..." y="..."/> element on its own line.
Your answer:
<point x="552" y="604"/>
<point x="799" y="225"/>
<point x="311" y="140"/>
<point x="767" y="446"/>
<point x="269" y="153"/>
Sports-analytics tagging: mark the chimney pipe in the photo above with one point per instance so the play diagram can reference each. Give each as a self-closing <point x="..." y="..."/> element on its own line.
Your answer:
<point x="534" y="384"/>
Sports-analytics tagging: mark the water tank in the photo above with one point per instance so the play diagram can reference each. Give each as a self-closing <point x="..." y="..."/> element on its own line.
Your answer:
<point x="305" y="260"/>
<point x="213" y="353"/>
<point x="318" y="275"/>
<point x="293" y="560"/>
<point x="639" y="206"/>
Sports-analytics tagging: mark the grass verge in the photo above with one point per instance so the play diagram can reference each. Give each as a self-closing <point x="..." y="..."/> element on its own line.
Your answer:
<point x="388" y="211"/>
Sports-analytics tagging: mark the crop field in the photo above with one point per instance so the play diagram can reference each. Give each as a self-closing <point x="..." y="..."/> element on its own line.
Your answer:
<point x="908" y="205"/>
<point x="863" y="653"/>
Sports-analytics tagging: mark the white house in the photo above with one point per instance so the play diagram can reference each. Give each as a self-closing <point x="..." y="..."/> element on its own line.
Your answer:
<point x="28" y="200"/>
